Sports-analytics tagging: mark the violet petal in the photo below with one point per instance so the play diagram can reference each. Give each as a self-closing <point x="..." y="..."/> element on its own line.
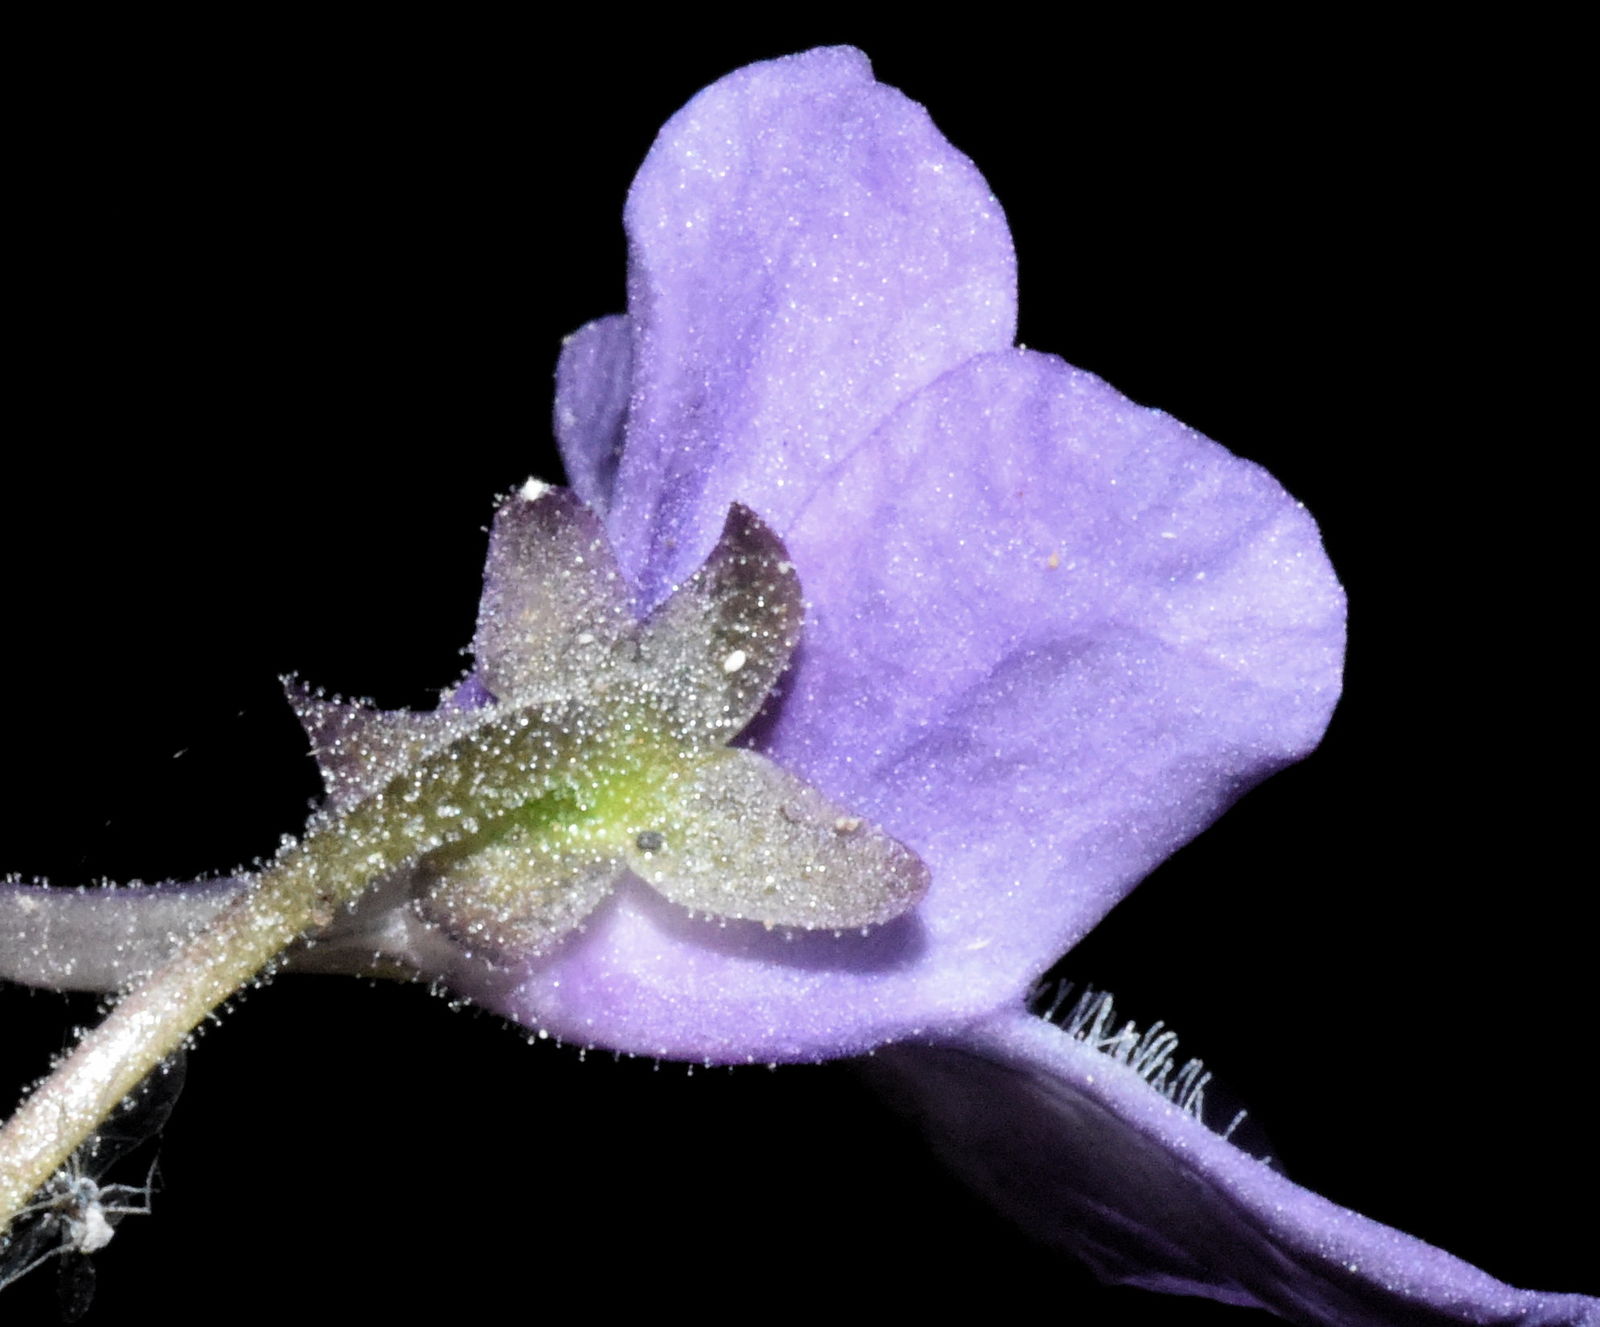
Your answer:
<point x="592" y="380"/>
<point x="806" y="251"/>
<point x="1088" y="1157"/>
<point x="1054" y="635"/>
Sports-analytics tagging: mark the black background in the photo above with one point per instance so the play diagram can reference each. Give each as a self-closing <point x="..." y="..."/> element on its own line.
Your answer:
<point x="289" y="303"/>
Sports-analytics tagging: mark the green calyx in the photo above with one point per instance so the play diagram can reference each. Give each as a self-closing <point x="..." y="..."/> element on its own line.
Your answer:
<point x="589" y="749"/>
<point x="606" y="753"/>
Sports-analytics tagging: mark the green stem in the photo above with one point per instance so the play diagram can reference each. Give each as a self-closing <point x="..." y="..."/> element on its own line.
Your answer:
<point x="283" y="903"/>
<point x="472" y="783"/>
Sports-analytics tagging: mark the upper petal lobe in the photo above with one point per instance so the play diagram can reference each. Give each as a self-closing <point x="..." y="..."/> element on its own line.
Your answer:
<point x="806" y="251"/>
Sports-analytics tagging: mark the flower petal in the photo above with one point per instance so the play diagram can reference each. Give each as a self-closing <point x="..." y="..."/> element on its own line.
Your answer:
<point x="592" y="381"/>
<point x="1084" y="1154"/>
<point x="1052" y="636"/>
<point x="806" y="251"/>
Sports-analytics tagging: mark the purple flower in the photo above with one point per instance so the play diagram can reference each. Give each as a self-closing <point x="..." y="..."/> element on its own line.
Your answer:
<point x="1051" y="636"/>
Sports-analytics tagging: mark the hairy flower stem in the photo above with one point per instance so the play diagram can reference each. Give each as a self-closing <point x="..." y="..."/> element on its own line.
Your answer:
<point x="416" y="812"/>
<point x="476" y="781"/>
<point x="151" y="1022"/>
